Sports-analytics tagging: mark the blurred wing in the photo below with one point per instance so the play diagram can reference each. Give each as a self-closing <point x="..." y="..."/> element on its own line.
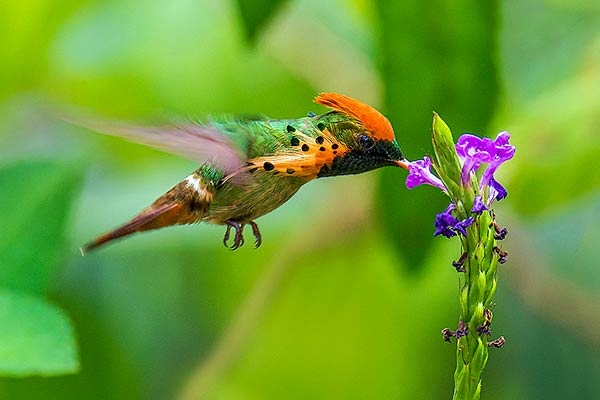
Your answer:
<point x="196" y="142"/>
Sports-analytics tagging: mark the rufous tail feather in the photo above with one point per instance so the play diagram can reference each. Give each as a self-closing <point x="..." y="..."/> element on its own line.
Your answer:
<point x="154" y="217"/>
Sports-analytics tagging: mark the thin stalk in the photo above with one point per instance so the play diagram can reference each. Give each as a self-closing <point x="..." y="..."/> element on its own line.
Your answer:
<point x="475" y="298"/>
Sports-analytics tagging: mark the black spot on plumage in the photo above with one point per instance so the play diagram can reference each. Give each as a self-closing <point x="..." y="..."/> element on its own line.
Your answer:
<point x="290" y="129"/>
<point x="321" y="126"/>
<point x="335" y="152"/>
<point x="251" y="170"/>
<point x="268" y="166"/>
<point x="334" y="146"/>
<point x="319" y="139"/>
<point x="321" y="148"/>
<point x="304" y="147"/>
<point x="295" y="141"/>
<point x="290" y="170"/>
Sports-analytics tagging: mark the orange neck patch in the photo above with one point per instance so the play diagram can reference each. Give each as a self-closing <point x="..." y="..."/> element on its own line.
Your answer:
<point x="371" y="119"/>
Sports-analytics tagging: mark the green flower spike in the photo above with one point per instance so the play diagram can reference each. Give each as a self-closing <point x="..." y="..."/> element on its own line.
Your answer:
<point x="470" y="219"/>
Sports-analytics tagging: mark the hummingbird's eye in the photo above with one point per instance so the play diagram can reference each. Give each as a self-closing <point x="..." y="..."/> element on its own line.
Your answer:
<point x="366" y="142"/>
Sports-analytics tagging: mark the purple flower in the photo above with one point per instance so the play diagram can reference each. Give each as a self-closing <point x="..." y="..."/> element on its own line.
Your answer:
<point x="474" y="150"/>
<point x="447" y="225"/>
<point x="478" y="205"/>
<point x="503" y="151"/>
<point x="420" y="173"/>
<point x="444" y="222"/>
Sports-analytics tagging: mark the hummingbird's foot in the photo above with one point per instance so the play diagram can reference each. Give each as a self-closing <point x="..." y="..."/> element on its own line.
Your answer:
<point x="238" y="239"/>
<point x="257" y="236"/>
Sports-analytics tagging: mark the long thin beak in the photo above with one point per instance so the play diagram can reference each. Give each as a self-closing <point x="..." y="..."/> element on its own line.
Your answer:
<point x="402" y="163"/>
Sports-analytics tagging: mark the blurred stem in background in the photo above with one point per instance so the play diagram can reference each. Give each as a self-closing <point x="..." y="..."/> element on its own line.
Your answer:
<point x="251" y="312"/>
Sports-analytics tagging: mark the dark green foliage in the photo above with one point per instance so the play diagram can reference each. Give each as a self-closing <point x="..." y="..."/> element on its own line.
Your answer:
<point x="435" y="56"/>
<point x="36" y="202"/>
<point x="257" y="14"/>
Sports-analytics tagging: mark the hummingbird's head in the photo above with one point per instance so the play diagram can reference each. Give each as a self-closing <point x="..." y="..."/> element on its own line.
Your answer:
<point x="367" y="134"/>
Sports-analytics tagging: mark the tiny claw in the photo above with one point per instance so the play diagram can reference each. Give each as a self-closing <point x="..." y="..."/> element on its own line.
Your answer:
<point x="226" y="237"/>
<point x="238" y="239"/>
<point x="257" y="235"/>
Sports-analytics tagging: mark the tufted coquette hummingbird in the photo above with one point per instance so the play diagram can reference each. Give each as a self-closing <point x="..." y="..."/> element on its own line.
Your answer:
<point x="252" y="165"/>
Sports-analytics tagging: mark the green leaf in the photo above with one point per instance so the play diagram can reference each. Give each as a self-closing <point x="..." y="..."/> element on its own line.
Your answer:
<point x="36" y="338"/>
<point x="256" y="14"/>
<point x="436" y="55"/>
<point x="34" y="207"/>
<point x="446" y="159"/>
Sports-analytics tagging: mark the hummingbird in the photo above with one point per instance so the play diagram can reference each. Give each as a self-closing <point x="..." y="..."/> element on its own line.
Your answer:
<point x="249" y="166"/>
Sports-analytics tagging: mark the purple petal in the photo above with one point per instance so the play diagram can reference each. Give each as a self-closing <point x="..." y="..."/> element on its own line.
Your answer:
<point x="503" y="151"/>
<point x="444" y="231"/>
<point x="502" y="139"/>
<point x="478" y="205"/>
<point x="447" y="225"/>
<point x="461" y="226"/>
<point x="473" y="150"/>
<point x="467" y="168"/>
<point x="497" y="191"/>
<point x="420" y="174"/>
<point x="444" y="222"/>
<point x="476" y="148"/>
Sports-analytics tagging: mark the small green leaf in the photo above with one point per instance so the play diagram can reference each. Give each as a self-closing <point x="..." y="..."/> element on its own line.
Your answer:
<point x="34" y="207"/>
<point x="255" y="14"/>
<point x="36" y="338"/>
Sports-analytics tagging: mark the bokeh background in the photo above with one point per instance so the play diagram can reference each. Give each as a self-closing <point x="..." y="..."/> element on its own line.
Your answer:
<point x="348" y="294"/>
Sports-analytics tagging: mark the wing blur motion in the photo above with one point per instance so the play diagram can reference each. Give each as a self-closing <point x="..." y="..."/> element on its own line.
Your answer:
<point x="193" y="141"/>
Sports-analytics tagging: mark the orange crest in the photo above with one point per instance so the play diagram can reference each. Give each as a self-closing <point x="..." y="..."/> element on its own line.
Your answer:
<point x="371" y="119"/>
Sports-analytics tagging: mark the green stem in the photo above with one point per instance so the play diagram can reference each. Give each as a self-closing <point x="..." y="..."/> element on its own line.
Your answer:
<point x="475" y="298"/>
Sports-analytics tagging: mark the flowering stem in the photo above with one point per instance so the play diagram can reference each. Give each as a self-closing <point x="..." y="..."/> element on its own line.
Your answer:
<point x="468" y="217"/>
<point x="476" y="294"/>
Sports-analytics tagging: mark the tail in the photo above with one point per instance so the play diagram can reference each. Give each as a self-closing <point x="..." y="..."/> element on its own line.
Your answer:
<point x="154" y="217"/>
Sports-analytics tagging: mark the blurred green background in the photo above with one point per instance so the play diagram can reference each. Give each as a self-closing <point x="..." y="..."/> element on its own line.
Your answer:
<point x="347" y="296"/>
